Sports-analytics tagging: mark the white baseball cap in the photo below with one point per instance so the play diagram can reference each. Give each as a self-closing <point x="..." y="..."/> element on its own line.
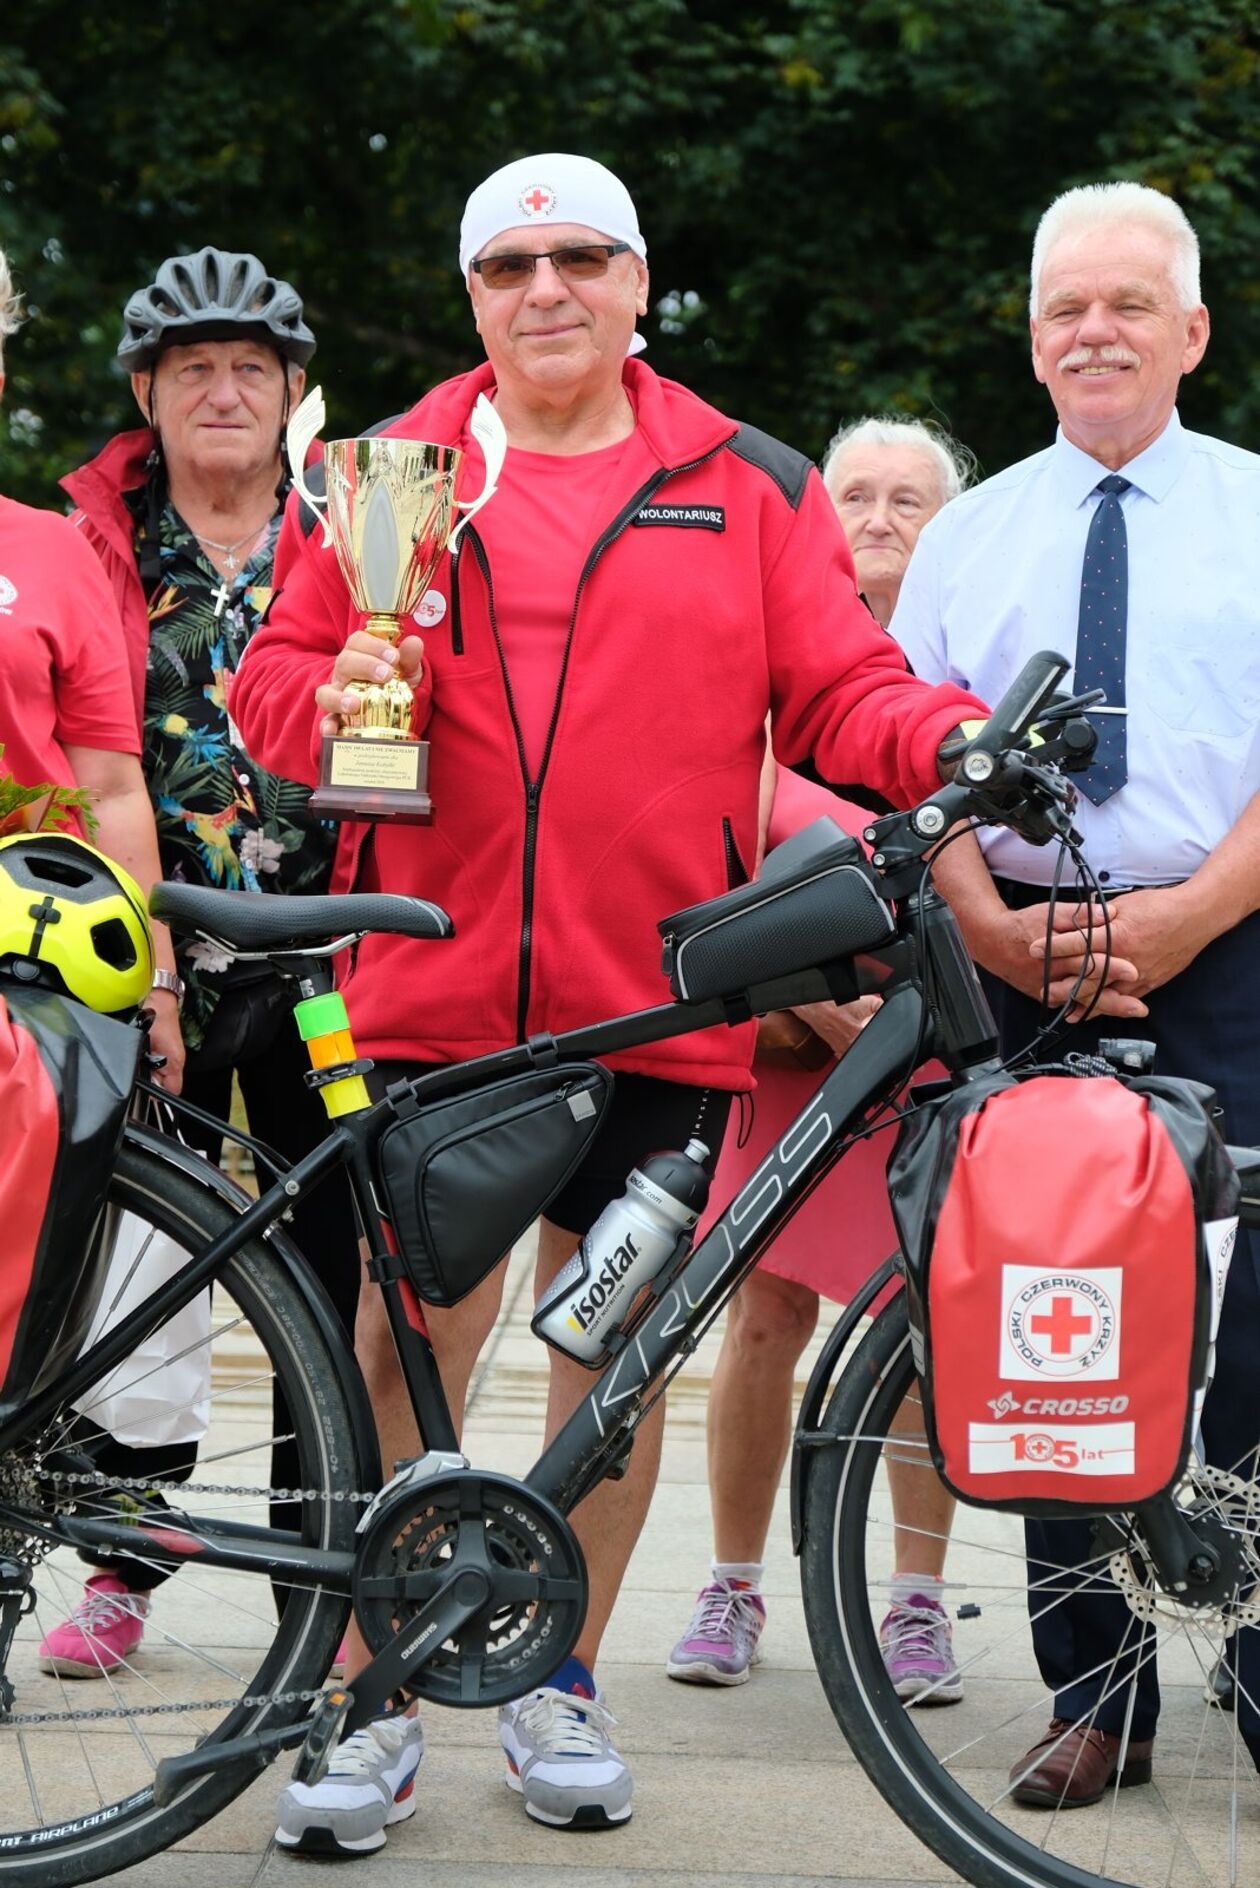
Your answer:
<point x="553" y="187"/>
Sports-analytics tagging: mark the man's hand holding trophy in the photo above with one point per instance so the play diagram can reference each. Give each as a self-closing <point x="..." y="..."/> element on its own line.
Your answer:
<point x="389" y="512"/>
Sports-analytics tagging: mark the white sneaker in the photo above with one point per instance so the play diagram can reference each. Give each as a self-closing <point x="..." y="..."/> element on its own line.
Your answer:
<point x="370" y="1783"/>
<point x="561" y="1761"/>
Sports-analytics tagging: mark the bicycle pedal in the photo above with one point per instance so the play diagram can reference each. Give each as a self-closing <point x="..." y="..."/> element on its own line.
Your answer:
<point x="174" y="1774"/>
<point x="324" y="1735"/>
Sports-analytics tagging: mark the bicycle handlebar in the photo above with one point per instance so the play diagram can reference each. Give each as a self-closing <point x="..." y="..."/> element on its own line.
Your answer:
<point x="998" y="780"/>
<point x="1017" y="711"/>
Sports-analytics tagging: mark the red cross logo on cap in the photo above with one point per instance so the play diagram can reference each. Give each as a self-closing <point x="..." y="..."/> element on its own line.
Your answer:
<point x="537" y="200"/>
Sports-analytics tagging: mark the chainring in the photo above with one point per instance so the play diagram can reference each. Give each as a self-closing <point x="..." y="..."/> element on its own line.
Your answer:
<point x="1228" y="1508"/>
<point x="531" y="1622"/>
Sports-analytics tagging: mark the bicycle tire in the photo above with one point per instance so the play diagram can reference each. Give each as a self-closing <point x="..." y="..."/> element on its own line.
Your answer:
<point x="897" y="1746"/>
<point x="106" y="1837"/>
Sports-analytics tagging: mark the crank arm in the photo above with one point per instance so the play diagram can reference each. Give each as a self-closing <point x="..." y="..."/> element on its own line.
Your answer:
<point x="458" y="1599"/>
<point x="339" y="1712"/>
<point x="315" y="1733"/>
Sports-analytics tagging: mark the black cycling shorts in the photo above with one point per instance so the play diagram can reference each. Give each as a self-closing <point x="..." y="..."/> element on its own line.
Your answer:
<point x="644" y="1116"/>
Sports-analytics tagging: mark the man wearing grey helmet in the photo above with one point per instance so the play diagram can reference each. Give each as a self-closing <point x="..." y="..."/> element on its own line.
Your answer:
<point x="649" y="581"/>
<point x="184" y="513"/>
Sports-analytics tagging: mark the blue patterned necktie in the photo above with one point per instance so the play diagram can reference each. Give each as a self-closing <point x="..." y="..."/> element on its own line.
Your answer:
<point x="1100" y="637"/>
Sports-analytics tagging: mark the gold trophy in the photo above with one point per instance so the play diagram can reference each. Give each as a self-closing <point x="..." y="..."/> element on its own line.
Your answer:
<point x="389" y="513"/>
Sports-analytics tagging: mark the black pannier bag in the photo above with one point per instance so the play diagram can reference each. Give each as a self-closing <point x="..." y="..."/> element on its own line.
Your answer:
<point x="1066" y="1243"/>
<point x="68" y="1075"/>
<point x="465" y="1177"/>
<point x="816" y="900"/>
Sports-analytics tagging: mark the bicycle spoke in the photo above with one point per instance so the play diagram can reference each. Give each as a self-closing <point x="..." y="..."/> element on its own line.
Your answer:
<point x="30" y="1780"/>
<point x="949" y="1772"/>
<point x="215" y="1653"/>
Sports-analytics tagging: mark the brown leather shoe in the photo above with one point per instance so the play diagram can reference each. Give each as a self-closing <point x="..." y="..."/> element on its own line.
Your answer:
<point x="1078" y="1765"/>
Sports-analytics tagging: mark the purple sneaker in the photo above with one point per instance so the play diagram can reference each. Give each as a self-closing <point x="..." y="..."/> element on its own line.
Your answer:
<point x="720" y="1644"/>
<point x="919" y="1654"/>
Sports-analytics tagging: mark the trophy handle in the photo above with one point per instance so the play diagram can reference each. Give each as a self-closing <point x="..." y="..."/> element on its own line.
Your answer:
<point x="305" y="424"/>
<point x="489" y="432"/>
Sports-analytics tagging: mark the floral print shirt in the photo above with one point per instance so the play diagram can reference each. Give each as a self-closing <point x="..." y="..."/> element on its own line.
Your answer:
<point x="221" y="819"/>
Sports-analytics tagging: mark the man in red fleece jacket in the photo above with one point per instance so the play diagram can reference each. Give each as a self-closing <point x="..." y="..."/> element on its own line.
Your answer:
<point x="597" y="665"/>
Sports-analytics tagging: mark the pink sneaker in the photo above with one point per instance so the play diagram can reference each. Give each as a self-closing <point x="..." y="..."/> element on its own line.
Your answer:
<point x="103" y="1630"/>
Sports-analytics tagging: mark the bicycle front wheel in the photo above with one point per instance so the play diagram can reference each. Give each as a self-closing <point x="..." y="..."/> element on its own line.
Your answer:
<point x="224" y="1652"/>
<point x="946" y="1771"/>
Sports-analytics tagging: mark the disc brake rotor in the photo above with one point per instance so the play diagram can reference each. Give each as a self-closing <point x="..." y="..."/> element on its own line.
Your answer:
<point x="530" y="1624"/>
<point x="1229" y="1508"/>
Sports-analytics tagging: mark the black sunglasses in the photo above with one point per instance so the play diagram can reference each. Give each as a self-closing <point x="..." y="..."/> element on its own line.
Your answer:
<point x="579" y="262"/>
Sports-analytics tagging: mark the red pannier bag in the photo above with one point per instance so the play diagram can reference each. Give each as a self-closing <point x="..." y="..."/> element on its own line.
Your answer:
<point x="1066" y="1243"/>
<point x="66" y="1075"/>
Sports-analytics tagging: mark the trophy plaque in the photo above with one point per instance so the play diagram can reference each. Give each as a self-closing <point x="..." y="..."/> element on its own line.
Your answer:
<point x="389" y="511"/>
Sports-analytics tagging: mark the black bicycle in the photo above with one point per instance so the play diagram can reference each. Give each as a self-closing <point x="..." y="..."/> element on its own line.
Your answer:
<point x="469" y="1586"/>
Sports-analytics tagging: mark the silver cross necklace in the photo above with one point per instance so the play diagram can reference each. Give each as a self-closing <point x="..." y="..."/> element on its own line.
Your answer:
<point x="228" y="551"/>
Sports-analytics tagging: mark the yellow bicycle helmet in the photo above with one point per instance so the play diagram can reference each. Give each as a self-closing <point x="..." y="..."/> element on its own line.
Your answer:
<point x="73" y="920"/>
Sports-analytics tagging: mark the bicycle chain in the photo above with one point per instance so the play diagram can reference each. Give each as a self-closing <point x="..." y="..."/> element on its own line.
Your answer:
<point x="124" y="1485"/>
<point x="19" y="1720"/>
<point x="135" y="1485"/>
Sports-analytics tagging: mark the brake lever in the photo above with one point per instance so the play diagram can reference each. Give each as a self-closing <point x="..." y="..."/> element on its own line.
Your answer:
<point x="1065" y="706"/>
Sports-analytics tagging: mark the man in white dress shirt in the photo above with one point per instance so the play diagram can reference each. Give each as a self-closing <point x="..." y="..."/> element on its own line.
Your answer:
<point x="1136" y="545"/>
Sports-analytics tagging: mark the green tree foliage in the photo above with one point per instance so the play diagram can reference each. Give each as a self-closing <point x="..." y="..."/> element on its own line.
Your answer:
<point x="839" y="200"/>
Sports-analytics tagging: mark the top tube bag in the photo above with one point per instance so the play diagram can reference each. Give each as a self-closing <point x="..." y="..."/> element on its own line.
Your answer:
<point x="67" y="1078"/>
<point x="1067" y="1243"/>
<point x="463" y="1178"/>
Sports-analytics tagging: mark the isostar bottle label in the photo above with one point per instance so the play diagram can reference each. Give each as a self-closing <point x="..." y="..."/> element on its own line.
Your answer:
<point x="605" y="1289"/>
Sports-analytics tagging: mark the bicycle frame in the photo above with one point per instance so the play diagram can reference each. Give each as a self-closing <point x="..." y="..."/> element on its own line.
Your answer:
<point x="958" y="1026"/>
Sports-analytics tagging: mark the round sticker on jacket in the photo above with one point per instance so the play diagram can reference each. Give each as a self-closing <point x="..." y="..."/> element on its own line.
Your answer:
<point x="431" y="608"/>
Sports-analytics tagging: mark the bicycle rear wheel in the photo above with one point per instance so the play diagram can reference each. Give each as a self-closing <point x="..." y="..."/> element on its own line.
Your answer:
<point x="946" y="1771"/>
<point x="78" y="1755"/>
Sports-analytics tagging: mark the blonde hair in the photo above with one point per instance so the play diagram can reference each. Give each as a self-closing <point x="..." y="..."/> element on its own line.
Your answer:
<point x="955" y="466"/>
<point x="10" y="304"/>
<point x="1091" y="206"/>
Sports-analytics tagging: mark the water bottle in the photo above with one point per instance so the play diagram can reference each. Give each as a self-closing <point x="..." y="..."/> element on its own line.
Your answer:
<point x="630" y="1244"/>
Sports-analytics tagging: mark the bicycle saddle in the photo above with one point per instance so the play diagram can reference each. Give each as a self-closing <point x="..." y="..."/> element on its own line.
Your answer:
<point x="252" y="921"/>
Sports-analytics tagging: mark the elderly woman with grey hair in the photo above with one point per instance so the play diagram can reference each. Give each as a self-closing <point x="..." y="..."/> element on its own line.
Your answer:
<point x="886" y="478"/>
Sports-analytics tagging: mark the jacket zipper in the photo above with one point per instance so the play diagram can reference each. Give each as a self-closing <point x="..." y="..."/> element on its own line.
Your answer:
<point x="736" y="875"/>
<point x="533" y="788"/>
<point x="457" y="621"/>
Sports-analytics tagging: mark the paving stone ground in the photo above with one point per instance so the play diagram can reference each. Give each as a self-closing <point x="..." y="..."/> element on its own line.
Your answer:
<point x="750" y="1787"/>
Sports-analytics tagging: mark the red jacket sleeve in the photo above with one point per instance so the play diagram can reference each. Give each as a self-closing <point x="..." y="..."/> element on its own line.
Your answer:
<point x="272" y="695"/>
<point x="840" y="689"/>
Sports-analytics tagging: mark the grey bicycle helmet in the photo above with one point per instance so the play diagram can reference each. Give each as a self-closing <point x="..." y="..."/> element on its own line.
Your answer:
<point x="216" y="295"/>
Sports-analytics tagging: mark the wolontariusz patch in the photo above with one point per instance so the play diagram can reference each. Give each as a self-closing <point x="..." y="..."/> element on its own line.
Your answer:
<point x="685" y="517"/>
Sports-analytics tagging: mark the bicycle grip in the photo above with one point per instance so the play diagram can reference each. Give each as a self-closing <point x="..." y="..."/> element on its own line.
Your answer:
<point x="1023" y="701"/>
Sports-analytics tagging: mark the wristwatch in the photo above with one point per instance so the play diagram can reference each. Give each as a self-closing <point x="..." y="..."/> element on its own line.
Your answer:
<point x="169" y="980"/>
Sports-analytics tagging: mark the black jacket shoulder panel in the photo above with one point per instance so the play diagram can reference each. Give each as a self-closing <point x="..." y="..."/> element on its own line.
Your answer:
<point x="788" y="468"/>
<point x="315" y="476"/>
<point x="370" y="432"/>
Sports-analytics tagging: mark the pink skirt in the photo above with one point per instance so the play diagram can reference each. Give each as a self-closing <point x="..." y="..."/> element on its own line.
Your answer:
<point x="844" y="1231"/>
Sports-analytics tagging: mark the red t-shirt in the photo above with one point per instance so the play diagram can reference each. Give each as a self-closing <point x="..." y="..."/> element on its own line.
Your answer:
<point x="64" y="674"/>
<point x="538" y="530"/>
